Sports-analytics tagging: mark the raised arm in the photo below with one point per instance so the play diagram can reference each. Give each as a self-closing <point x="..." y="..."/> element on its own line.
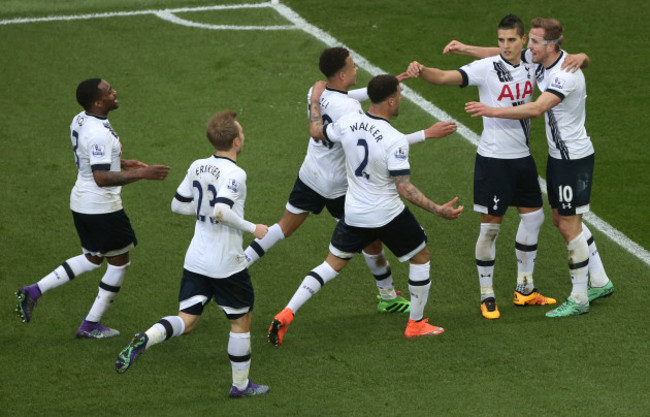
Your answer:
<point x="456" y="47"/>
<point x="434" y="75"/>
<point x="415" y="196"/>
<point x="315" y="118"/>
<point x="359" y="94"/>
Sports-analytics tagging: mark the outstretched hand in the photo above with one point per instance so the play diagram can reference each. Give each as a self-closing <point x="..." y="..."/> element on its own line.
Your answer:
<point x="415" y="69"/>
<point x="155" y="172"/>
<point x="449" y="212"/>
<point x="478" y="109"/>
<point x="440" y="130"/>
<point x="403" y="76"/>
<point x="454" y="47"/>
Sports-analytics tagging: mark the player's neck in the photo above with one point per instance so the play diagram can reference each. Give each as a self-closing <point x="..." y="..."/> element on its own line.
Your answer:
<point x="379" y="110"/>
<point x="551" y="59"/>
<point x="337" y="85"/>
<point x="231" y="154"/>
<point x="516" y="60"/>
<point x="97" y="113"/>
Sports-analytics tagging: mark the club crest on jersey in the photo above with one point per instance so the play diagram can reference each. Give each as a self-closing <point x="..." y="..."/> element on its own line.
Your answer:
<point x="233" y="185"/>
<point x="557" y="83"/>
<point x="98" y="150"/>
<point x="400" y="154"/>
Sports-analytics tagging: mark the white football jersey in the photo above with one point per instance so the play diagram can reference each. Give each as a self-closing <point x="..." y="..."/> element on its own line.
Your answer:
<point x="565" y="123"/>
<point x="323" y="169"/>
<point x="501" y="84"/>
<point x="95" y="144"/>
<point x="375" y="152"/>
<point x="216" y="249"/>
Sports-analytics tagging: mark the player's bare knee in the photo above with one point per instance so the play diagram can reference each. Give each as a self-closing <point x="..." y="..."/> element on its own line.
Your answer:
<point x="421" y="257"/>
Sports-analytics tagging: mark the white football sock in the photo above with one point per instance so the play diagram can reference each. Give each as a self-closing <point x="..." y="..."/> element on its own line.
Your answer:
<point x="485" y="256"/>
<point x="311" y="284"/>
<point x="419" y="285"/>
<point x="259" y="247"/>
<point x="597" y="275"/>
<point x="380" y="269"/>
<point x="578" y="267"/>
<point x="165" y="329"/>
<point x="526" y="249"/>
<point x="239" y="352"/>
<point x="66" y="272"/>
<point x="109" y="287"/>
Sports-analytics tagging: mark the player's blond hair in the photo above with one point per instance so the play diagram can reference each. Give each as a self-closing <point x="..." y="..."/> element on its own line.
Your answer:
<point x="222" y="130"/>
<point x="552" y="30"/>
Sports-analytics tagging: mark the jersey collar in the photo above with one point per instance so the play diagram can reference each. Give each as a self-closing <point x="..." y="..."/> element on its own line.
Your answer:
<point x="327" y="87"/>
<point x="509" y="63"/>
<point x="224" y="157"/>
<point x="96" y="116"/>
<point x="372" y="116"/>
<point x="559" y="57"/>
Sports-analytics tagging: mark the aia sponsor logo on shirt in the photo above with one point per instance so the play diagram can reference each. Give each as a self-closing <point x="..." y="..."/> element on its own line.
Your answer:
<point x="517" y="92"/>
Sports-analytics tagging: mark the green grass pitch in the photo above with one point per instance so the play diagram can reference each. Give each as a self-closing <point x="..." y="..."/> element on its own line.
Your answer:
<point x="340" y="357"/>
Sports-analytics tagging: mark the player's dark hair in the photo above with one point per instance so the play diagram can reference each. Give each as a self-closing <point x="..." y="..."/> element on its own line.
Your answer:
<point x="381" y="87"/>
<point x="88" y="92"/>
<point x="552" y="30"/>
<point x="512" y="22"/>
<point x="332" y="60"/>
<point x="222" y="130"/>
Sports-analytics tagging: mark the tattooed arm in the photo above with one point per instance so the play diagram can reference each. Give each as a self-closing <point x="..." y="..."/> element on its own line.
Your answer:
<point x="315" y="118"/>
<point x="415" y="196"/>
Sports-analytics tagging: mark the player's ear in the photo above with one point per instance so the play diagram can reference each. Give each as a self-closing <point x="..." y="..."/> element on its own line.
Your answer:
<point x="237" y="142"/>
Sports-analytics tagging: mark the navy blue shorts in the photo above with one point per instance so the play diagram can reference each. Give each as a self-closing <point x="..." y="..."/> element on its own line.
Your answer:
<point x="503" y="183"/>
<point x="234" y="295"/>
<point x="304" y="198"/>
<point x="568" y="184"/>
<point x="403" y="236"/>
<point x="108" y="234"/>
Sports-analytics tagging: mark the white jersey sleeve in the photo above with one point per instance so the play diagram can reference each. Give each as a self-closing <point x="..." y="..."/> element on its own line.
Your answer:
<point x="360" y="94"/>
